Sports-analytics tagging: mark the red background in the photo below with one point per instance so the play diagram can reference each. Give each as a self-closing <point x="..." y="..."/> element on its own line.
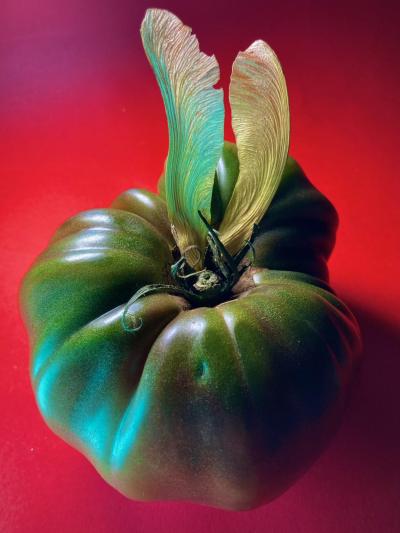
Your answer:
<point x="82" y="120"/>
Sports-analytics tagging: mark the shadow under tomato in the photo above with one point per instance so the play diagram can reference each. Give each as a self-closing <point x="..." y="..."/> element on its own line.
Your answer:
<point x="375" y="404"/>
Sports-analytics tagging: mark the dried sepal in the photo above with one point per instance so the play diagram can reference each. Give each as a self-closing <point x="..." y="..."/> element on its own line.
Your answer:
<point x="261" y="123"/>
<point x="195" y="113"/>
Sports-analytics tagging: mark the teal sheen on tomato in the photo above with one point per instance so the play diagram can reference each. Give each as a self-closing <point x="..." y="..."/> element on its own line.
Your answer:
<point x="209" y="361"/>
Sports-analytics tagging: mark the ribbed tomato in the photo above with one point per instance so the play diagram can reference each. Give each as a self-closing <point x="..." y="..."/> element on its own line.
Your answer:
<point x="224" y="404"/>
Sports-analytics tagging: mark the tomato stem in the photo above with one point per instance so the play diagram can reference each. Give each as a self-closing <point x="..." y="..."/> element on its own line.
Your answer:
<point x="206" y="287"/>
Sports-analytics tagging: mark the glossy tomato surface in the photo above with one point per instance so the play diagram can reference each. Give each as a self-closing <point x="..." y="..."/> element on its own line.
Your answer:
<point x="224" y="405"/>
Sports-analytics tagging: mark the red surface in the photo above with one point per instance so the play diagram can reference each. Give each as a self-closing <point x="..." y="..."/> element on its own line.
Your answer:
<point x="82" y="120"/>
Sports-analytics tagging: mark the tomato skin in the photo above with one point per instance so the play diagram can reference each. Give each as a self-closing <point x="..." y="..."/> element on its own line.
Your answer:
<point x="226" y="175"/>
<point x="241" y="398"/>
<point x="298" y="232"/>
<point x="224" y="406"/>
<point x="149" y="207"/>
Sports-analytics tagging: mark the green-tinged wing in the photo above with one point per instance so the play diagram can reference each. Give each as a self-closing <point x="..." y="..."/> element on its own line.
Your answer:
<point x="195" y="113"/>
<point x="260" y="120"/>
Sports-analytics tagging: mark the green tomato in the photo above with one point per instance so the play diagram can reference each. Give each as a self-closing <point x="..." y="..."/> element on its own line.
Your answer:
<point x="223" y="405"/>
